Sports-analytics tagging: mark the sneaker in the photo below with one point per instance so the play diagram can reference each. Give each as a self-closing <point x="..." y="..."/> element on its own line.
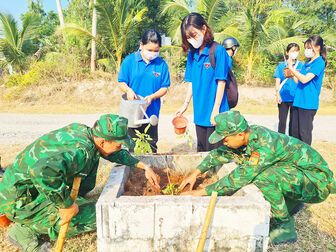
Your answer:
<point x="284" y="232"/>
<point x="26" y="240"/>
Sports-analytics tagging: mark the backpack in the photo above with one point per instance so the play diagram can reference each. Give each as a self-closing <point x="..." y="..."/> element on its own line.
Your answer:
<point x="231" y="86"/>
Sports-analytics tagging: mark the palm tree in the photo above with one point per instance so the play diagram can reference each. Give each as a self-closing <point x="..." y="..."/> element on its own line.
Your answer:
<point x="211" y="10"/>
<point x="12" y="38"/>
<point x="262" y="30"/>
<point x="117" y="19"/>
<point x="60" y="13"/>
<point x="94" y="34"/>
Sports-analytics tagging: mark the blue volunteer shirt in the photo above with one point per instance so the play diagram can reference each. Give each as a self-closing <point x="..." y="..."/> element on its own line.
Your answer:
<point x="204" y="82"/>
<point x="145" y="79"/>
<point x="307" y="95"/>
<point x="288" y="89"/>
<point x="230" y="63"/>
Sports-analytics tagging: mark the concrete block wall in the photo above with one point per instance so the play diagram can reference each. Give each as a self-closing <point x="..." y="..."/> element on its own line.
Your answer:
<point x="173" y="223"/>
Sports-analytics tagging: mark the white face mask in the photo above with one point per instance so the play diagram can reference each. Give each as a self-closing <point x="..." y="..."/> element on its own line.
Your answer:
<point x="309" y="53"/>
<point x="150" y="55"/>
<point x="293" y="55"/>
<point x="196" y="42"/>
<point x="234" y="52"/>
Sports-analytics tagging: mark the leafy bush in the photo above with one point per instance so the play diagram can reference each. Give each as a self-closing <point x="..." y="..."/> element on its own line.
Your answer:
<point x="54" y="68"/>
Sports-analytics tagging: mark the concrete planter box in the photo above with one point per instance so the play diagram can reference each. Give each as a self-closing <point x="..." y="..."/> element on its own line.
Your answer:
<point x="173" y="223"/>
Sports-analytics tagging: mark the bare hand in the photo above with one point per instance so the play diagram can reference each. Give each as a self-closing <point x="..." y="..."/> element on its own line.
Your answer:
<point x="131" y="95"/>
<point x="66" y="214"/>
<point x="212" y="118"/>
<point x="278" y="98"/>
<point x="181" y="110"/>
<point x="152" y="178"/>
<point x="196" y="193"/>
<point x="191" y="180"/>
<point x="148" y="99"/>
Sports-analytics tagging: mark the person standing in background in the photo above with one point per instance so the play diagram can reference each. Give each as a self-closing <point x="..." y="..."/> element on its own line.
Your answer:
<point x="285" y="87"/>
<point x="231" y="46"/>
<point x="306" y="100"/>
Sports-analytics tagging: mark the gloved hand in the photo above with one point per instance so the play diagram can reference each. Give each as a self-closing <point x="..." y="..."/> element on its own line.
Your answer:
<point x="66" y="214"/>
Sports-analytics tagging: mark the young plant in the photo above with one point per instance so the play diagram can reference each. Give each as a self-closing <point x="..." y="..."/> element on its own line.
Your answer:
<point x="142" y="145"/>
<point x="171" y="188"/>
<point x="188" y="137"/>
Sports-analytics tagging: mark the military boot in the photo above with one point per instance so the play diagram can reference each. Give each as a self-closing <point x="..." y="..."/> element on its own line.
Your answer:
<point x="26" y="240"/>
<point x="284" y="232"/>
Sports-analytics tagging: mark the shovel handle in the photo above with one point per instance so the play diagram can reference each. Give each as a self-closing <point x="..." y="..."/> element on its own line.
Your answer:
<point x="206" y="223"/>
<point x="64" y="228"/>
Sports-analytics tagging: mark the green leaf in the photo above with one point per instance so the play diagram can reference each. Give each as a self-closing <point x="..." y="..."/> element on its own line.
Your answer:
<point x="147" y="127"/>
<point x="331" y="247"/>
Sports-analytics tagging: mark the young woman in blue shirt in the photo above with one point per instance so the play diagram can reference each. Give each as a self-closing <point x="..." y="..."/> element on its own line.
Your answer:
<point x="206" y="85"/>
<point x="306" y="100"/>
<point x="145" y="73"/>
<point x="285" y="87"/>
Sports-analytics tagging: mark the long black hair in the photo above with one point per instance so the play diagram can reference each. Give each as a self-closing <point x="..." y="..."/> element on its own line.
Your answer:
<point x="151" y="35"/>
<point x="318" y="41"/>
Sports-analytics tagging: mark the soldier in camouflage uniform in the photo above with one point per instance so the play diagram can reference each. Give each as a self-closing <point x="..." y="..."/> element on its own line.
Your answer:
<point x="35" y="190"/>
<point x="285" y="169"/>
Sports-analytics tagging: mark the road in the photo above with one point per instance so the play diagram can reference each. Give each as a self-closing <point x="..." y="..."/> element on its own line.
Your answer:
<point x="25" y="128"/>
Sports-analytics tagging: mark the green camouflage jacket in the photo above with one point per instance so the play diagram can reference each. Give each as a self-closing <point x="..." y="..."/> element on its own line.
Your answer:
<point x="265" y="149"/>
<point x="49" y="165"/>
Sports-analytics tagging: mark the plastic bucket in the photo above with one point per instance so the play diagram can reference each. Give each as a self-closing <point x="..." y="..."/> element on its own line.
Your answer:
<point x="180" y="124"/>
<point x="4" y="221"/>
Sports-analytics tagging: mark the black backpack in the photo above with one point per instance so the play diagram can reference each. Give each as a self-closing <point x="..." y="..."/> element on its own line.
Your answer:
<point x="231" y="86"/>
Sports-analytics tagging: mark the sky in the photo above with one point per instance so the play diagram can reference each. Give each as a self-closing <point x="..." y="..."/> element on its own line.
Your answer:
<point x="18" y="7"/>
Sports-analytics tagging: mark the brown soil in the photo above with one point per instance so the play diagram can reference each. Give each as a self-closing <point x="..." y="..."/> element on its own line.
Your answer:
<point x="138" y="185"/>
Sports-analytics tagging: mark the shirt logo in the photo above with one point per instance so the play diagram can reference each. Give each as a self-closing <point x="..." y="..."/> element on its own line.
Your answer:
<point x="156" y="74"/>
<point x="207" y="65"/>
<point x="254" y="158"/>
<point x="308" y="68"/>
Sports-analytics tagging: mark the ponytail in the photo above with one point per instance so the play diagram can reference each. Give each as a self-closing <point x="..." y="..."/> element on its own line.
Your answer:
<point x="323" y="53"/>
<point x="318" y="41"/>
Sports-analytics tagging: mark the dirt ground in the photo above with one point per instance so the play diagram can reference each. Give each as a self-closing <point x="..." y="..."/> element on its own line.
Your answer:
<point x="138" y="185"/>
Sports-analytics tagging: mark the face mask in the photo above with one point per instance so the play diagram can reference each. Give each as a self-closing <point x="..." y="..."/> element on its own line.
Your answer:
<point x="150" y="55"/>
<point x="234" y="52"/>
<point x="309" y="53"/>
<point x="293" y="55"/>
<point x="196" y="42"/>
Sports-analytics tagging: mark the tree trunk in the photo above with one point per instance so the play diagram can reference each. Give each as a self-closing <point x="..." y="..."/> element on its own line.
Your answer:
<point x="249" y="66"/>
<point x="60" y="13"/>
<point x="93" y="44"/>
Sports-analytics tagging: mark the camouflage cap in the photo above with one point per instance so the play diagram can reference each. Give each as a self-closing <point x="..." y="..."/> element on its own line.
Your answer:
<point x="229" y="123"/>
<point x="113" y="128"/>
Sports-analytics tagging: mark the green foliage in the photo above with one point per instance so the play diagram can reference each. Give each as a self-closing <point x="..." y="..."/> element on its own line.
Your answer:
<point x="13" y="39"/>
<point x="171" y="189"/>
<point x="186" y="135"/>
<point x="142" y="145"/>
<point x="55" y="67"/>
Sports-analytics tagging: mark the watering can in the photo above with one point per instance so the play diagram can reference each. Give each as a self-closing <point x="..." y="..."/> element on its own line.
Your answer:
<point x="135" y="111"/>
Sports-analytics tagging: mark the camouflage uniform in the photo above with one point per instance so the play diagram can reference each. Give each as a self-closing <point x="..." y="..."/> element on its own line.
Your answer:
<point x="39" y="180"/>
<point x="284" y="168"/>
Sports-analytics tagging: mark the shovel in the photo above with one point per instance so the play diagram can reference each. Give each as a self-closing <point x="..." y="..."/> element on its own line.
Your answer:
<point x="206" y="223"/>
<point x="64" y="228"/>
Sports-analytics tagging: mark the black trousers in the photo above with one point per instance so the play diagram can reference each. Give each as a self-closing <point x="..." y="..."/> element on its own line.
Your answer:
<point x="152" y="131"/>
<point x="203" y="133"/>
<point x="302" y="125"/>
<point x="283" y="112"/>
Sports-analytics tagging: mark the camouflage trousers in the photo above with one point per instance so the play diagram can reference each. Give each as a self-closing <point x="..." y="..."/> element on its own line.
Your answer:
<point x="45" y="220"/>
<point x="283" y="186"/>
